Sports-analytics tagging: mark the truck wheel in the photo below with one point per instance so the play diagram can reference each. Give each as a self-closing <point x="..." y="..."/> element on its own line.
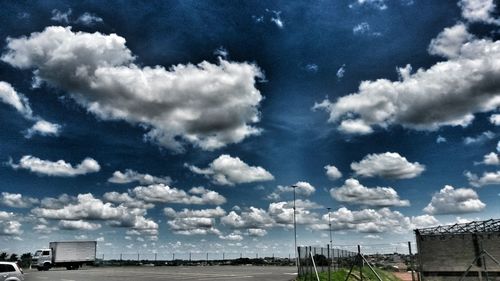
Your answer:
<point x="46" y="267"/>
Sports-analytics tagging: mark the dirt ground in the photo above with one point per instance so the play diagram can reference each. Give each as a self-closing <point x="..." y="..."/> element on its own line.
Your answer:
<point x="404" y="276"/>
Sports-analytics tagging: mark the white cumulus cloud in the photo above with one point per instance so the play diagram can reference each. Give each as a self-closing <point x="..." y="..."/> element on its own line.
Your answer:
<point x="454" y="201"/>
<point x="133" y="176"/>
<point x="251" y="218"/>
<point x="60" y="16"/>
<point x="389" y="165"/>
<point x="187" y="213"/>
<point x="478" y="11"/>
<point x="87" y="207"/>
<point x="231" y="237"/>
<point x="17" y="200"/>
<point x="10" y="228"/>
<point x="448" y="43"/>
<point x="378" y="4"/>
<point x="301" y="188"/>
<point x="490" y="159"/>
<point x="481" y="138"/>
<point x="88" y="19"/>
<point x="43" y="128"/>
<point x="355" y="193"/>
<point x="78" y="225"/>
<point x="257" y="232"/>
<point x="227" y="170"/>
<point x="448" y="93"/>
<point x="166" y="194"/>
<point x="207" y="105"/>
<point x="9" y="224"/>
<point x="58" y="168"/>
<point x="366" y="221"/>
<point x="495" y="119"/>
<point x="332" y="172"/>
<point x="488" y="178"/>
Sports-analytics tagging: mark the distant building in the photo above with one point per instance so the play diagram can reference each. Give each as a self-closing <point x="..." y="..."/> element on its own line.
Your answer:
<point x="446" y="252"/>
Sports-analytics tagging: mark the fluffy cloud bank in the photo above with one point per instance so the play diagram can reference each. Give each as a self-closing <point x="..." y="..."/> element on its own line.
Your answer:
<point x="301" y="188"/>
<point x="74" y="213"/>
<point x="454" y="201"/>
<point x="131" y="176"/>
<point x="227" y="170"/>
<point x="448" y="93"/>
<point x="389" y="165"/>
<point x="355" y="193"/>
<point x="207" y="105"/>
<point x="78" y="225"/>
<point x="16" y="200"/>
<point x="58" y="168"/>
<point x="478" y="11"/>
<point x="166" y="194"/>
<point x="488" y="178"/>
<point x="191" y="222"/>
<point x="9" y="225"/>
<point x="373" y="221"/>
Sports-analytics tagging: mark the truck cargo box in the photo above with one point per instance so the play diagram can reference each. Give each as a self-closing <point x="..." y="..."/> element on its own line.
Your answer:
<point x="73" y="251"/>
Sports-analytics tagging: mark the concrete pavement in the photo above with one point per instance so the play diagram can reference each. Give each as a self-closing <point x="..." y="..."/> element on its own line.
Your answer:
<point x="171" y="273"/>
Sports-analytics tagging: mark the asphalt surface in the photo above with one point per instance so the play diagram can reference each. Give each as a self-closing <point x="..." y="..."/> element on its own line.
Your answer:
<point x="171" y="273"/>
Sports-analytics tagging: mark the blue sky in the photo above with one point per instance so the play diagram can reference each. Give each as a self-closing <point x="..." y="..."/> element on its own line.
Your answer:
<point x="179" y="126"/>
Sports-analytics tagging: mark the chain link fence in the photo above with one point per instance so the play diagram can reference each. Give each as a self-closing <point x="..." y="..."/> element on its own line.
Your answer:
<point x="193" y="258"/>
<point x="312" y="260"/>
<point x="324" y="261"/>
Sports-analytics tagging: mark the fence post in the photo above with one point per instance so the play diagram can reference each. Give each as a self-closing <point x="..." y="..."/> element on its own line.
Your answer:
<point x="329" y="264"/>
<point x="361" y="261"/>
<point x="310" y="254"/>
<point x="322" y="270"/>
<point x="411" y="262"/>
<point x="299" y="269"/>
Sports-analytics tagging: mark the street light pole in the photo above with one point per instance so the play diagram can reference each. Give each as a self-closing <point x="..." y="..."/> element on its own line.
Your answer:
<point x="330" y="224"/>
<point x="295" y="229"/>
<point x="330" y="228"/>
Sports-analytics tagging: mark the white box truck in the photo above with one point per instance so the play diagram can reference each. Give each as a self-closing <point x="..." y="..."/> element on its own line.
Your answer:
<point x="69" y="254"/>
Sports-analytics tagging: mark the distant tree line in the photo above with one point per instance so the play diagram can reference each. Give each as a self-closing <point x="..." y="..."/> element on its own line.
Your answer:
<point x="23" y="261"/>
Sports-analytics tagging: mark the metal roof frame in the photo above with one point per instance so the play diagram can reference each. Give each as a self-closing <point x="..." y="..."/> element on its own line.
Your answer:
<point x="487" y="226"/>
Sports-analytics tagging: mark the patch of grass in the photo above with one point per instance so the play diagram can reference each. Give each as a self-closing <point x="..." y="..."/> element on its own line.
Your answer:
<point x="341" y="274"/>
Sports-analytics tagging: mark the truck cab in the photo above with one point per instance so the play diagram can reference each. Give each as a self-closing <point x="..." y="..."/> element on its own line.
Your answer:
<point x="42" y="259"/>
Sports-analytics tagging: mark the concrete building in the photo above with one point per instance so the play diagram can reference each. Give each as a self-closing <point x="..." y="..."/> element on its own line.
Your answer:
<point x="466" y="251"/>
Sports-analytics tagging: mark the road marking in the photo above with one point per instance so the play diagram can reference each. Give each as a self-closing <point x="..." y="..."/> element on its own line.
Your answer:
<point x="67" y="280"/>
<point x="294" y="273"/>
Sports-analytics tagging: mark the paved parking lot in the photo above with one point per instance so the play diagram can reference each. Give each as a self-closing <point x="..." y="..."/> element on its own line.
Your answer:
<point x="212" y="273"/>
